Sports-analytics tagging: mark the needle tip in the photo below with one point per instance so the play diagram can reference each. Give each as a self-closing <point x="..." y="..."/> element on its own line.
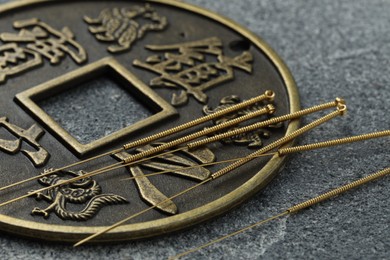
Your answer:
<point x="85" y="240"/>
<point x="77" y="244"/>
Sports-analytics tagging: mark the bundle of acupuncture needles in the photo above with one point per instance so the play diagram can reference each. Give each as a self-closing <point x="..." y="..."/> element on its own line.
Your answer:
<point x="222" y="131"/>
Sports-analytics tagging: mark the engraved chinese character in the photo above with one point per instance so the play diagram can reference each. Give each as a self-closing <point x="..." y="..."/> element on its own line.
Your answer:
<point x="124" y="26"/>
<point x="252" y="139"/>
<point x="187" y="67"/>
<point x="39" y="157"/>
<point x="34" y="41"/>
<point x="15" y="59"/>
<point x="172" y="163"/>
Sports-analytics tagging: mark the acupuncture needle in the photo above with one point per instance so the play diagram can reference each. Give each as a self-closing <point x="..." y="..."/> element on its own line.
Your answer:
<point x="134" y="159"/>
<point x="268" y="95"/>
<point x="338" y="102"/>
<point x="295" y="208"/>
<point x="341" y="109"/>
<point x="141" y="157"/>
<point x="282" y="151"/>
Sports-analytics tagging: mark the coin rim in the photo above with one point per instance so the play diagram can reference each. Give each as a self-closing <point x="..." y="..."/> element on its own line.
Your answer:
<point x="184" y="220"/>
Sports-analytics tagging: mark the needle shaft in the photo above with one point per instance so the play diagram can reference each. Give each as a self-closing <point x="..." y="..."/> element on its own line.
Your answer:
<point x="268" y="95"/>
<point x="86" y="175"/>
<point x="294" y="209"/>
<point x="340" y="110"/>
<point x="139" y="213"/>
<point x="282" y="151"/>
<point x="50" y="172"/>
<point x="143" y="156"/>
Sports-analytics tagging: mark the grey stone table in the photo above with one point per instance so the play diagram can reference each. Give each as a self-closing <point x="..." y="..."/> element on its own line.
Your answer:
<point x="333" y="48"/>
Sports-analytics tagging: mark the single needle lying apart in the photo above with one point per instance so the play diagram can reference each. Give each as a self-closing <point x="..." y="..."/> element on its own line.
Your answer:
<point x="341" y="109"/>
<point x="268" y="95"/>
<point x="296" y="208"/>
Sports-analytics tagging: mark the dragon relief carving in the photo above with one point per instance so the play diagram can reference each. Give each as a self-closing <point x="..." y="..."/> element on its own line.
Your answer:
<point x="251" y="139"/>
<point x="85" y="191"/>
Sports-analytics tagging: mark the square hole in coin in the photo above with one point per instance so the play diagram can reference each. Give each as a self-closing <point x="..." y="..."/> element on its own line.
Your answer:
<point x="95" y="109"/>
<point x="95" y="105"/>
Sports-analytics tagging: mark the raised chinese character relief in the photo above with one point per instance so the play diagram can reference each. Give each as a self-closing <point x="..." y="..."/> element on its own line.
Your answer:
<point x="15" y="60"/>
<point x="124" y="26"/>
<point x="35" y="41"/>
<point x="39" y="156"/>
<point x="183" y="164"/>
<point x="251" y="139"/>
<point x="189" y="67"/>
<point x="85" y="193"/>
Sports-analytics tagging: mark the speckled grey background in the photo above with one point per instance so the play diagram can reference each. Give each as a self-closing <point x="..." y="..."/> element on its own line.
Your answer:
<point x="333" y="48"/>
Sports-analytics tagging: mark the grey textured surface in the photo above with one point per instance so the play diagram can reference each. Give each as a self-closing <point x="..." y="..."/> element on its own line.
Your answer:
<point x="333" y="48"/>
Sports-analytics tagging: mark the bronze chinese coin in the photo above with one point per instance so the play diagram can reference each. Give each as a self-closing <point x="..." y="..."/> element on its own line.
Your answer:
<point x="82" y="78"/>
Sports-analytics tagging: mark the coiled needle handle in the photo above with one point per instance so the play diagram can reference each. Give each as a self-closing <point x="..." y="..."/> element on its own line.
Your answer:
<point x="341" y="141"/>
